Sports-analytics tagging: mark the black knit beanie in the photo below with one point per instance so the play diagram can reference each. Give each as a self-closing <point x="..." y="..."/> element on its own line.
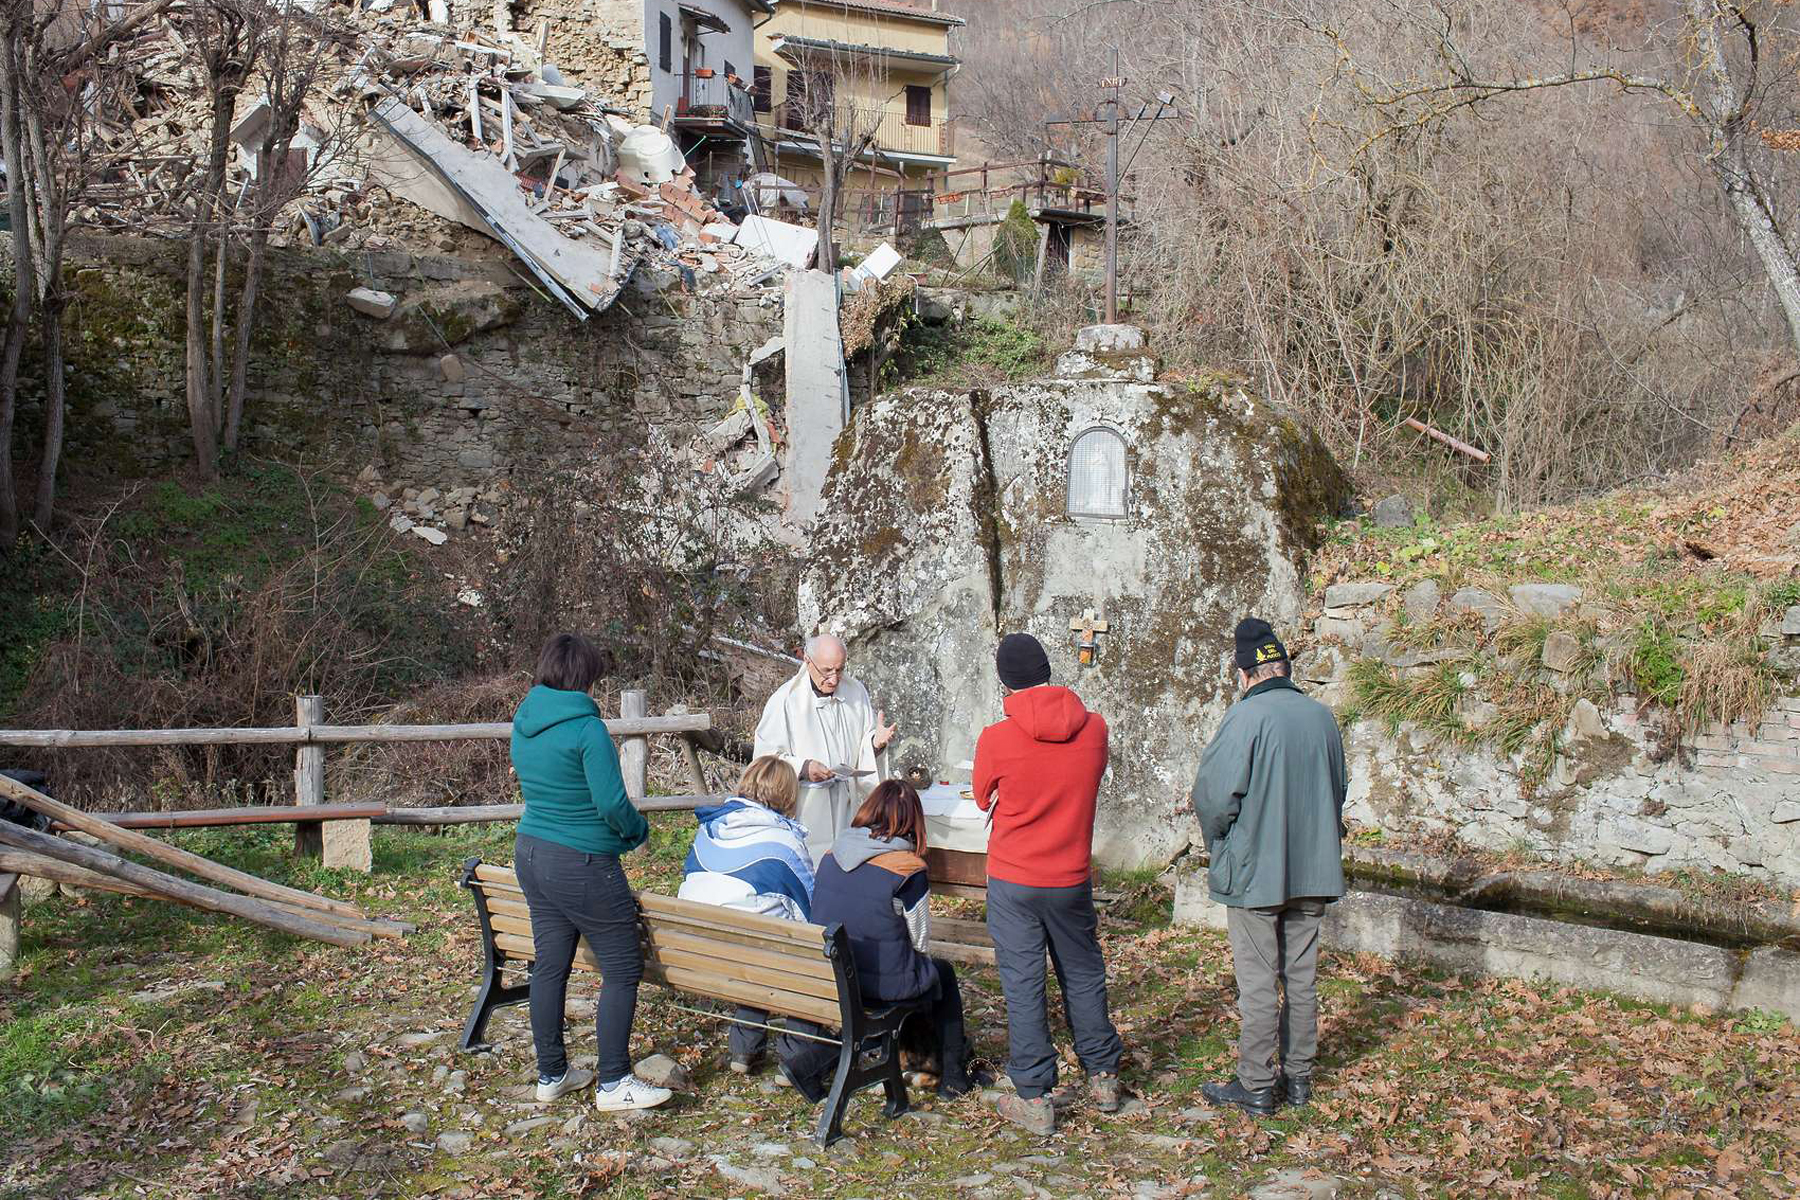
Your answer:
<point x="1257" y="644"/>
<point x="1022" y="662"/>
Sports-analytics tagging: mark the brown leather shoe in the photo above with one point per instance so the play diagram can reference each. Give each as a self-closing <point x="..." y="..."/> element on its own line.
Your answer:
<point x="1036" y="1116"/>
<point x="1105" y="1091"/>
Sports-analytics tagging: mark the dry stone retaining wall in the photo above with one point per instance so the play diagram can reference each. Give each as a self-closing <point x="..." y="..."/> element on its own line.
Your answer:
<point x="1617" y="795"/>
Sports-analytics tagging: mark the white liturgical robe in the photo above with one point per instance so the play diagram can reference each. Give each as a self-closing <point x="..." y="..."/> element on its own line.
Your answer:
<point x="835" y="731"/>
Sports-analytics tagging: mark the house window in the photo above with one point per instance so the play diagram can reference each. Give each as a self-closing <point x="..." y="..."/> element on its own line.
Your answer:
<point x="918" y="104"/>
<point x="665" y="42"/>
<point x="762" y="87"/>
<point x="1098" y="475"/>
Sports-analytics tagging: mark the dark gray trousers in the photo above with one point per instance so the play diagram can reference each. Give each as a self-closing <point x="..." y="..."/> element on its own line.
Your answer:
<point x="1271" y="946"/>
<point x="573" y="895"/>
<point x="1024" y="922"/>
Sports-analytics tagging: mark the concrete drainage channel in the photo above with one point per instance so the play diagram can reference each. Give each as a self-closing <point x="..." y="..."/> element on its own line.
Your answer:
<point x="1668" y="970"/>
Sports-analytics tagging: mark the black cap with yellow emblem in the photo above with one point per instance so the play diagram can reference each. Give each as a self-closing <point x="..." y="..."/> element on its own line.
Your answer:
<point x="1257" y="644"/>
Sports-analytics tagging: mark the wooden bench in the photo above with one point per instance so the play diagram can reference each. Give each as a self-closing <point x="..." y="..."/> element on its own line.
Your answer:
<point x="786" y="968"/>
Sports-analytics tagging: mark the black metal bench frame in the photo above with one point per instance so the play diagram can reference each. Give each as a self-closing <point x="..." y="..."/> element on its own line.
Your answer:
<point x="862" y="1029"/>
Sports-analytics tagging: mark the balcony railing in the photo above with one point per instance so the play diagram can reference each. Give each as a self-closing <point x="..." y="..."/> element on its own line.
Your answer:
<point x="712" y="97"/>
<point x="891" y="128"/>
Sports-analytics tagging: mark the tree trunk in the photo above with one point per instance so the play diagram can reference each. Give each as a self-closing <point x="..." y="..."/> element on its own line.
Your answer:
<point x="206" y="438"/>
<point x="19" y="315"/>
<point x="50" y="316"/>
<point x="216" y="373"/>
<point x="828" y="199"/>
<point x="202" y="396"/>
<point x="1758" y="224"/>
<point x="246" y="322"/>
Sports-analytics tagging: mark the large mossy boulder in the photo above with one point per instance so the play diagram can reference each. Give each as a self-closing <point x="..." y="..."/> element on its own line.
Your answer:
<point x="945" y="524"/>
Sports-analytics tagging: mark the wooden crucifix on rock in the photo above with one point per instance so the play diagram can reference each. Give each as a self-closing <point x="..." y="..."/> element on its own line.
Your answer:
<point x="1087" y="629"/>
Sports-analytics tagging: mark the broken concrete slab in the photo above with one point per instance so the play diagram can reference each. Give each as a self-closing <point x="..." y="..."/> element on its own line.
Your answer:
<point x="436" y="537"/>
<point x="730" y="431"/>
<point x="791" y="244"/>
<point x="817" y="390"/>
<point x="478" y="190"/>
<point x="371" y="303"/>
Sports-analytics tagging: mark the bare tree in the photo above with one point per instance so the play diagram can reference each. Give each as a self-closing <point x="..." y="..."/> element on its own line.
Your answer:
<point x="57" y="85"/>
<point x="823" y="104"/>
<point x="292" y="56"/>
<point x="226" y="37"/>
<point x="1729" y="61"/>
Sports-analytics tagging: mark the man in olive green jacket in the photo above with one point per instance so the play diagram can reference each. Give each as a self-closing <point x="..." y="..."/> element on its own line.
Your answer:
<point x="1270" y="798"/>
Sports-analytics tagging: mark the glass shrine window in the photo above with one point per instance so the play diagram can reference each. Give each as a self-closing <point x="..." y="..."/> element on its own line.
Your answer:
<point x="1098" y="475"/>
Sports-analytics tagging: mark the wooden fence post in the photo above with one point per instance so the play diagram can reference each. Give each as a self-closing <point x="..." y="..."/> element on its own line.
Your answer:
<point x="309" y="776"/>
<point x="634" y="754"/>
<point x="12" y="903"/>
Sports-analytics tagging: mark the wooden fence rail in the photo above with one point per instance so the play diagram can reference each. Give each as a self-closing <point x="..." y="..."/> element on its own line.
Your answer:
<point x="311" y="735"/>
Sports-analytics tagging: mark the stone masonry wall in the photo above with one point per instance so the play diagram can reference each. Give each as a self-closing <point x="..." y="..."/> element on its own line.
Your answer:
<point x="1617" y="794"/>
<point x="524" y="387"/>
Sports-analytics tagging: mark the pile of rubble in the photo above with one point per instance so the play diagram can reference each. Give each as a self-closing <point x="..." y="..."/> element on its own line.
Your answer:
<point x="477" y="129"/>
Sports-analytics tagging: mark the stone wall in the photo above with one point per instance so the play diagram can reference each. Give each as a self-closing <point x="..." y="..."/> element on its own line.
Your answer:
<point x="1618" y="793"/>
<point x="520" y="387"/>
<point x="600" y="45"/>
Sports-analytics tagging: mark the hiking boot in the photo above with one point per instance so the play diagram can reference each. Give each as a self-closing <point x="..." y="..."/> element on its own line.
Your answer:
<point x="1037" y="1116"/>
<point x="1105" y="1091"/>
<point x="1259" y="1103"/>
<point x="630" y="1092"/>
<point x="571" y="1080"/>
<point x="1297" y="1089"/>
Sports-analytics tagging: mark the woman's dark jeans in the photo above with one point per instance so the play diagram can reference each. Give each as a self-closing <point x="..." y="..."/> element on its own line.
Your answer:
<point x="574" y="894"/>
<point x="809" y="1065"/>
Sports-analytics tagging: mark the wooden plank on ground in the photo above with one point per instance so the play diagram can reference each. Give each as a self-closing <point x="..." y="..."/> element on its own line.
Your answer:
<point x="275" y="916"/>
<point x="175" y="856"/>
<point x="24" y="862"/>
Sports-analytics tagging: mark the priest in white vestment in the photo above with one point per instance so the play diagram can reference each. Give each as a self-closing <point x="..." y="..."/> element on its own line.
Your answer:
<point x="820" y="722"/>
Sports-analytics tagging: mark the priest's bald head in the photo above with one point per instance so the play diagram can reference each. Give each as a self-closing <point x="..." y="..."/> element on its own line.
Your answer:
<point x="825" y="656"/>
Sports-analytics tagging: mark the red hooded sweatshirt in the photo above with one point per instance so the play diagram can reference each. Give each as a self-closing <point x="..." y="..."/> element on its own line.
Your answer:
<point x="1040" y="771"/>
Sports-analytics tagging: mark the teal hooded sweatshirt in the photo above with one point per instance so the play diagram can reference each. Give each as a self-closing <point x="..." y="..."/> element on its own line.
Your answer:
<point x="569" y="775"/>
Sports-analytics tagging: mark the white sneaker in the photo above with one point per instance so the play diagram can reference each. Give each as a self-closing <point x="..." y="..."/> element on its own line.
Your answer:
<point x="571" y="1080"/>
<point x="630" y="1092"/>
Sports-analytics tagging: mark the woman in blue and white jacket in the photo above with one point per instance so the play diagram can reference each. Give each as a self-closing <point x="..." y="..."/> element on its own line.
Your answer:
<point x="750" y="854"/>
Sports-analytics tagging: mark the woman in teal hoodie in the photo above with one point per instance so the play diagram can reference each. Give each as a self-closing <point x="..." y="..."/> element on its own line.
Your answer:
<point x="577" y="823"/>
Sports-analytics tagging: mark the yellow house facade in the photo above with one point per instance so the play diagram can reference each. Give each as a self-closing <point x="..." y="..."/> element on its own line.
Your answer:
<point x="890" y="63"/>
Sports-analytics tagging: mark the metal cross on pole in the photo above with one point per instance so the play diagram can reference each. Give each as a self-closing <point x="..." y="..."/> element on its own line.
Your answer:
<point x="1114" y="86"/>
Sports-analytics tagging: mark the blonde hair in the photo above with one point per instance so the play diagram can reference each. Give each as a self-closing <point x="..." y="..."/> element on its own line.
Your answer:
<point x="771" y="783"/>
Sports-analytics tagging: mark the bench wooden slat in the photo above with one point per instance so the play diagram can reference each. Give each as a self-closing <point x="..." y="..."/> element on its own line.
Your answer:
<point x="699" y="956"/>
<point x="699" y="982"/>
<point x="775" y="929"/>
<point x="812" y="964"/>
<point x="669" y="957"/>
<point x="792" y="1004"/>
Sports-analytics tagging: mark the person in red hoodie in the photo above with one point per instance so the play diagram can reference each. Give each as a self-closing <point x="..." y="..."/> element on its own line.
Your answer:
<point x="1037" y="774"/>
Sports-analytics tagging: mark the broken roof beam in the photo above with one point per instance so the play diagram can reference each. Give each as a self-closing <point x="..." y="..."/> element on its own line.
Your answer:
<point x="575" y="274"/>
